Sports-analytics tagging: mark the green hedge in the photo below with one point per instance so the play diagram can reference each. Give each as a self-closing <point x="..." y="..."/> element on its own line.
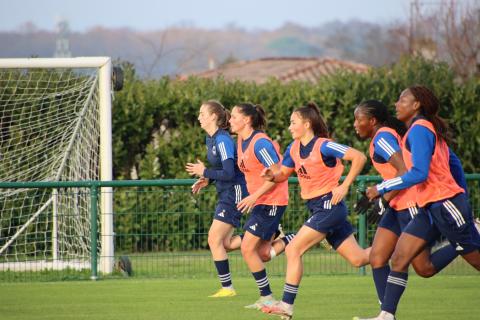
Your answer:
<point x="170" y="107"/>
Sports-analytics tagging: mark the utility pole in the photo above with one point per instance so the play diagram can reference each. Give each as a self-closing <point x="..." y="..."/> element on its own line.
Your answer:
<point x="62" y="49"/>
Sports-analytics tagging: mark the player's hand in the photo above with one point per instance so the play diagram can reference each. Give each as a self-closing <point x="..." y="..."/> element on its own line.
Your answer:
<point x="247" y="204"/>
<point x="199" y="185"/>
<point x="338" y="193"/>
<point x="372" y="193"/>
<point x="363" y="203"/>
<point x="267" y="174"/>
<point x="195" y="168"/>
<point x="380" y="206"/>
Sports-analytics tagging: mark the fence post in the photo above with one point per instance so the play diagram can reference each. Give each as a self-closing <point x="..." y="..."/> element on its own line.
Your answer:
<point x="93" y="230"/>
<point x="362" y="228"/>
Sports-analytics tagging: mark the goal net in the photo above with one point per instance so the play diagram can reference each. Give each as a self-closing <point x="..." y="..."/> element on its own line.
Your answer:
<point x="51" y="130"/>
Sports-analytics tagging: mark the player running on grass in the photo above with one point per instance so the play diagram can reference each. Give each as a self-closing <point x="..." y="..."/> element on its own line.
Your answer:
<point x="316" y="160"/>
<point x="230" y="185"/>
<point x="267" y="201"/>
<point x="444" y="203"/>
<point x="373" y="121"/>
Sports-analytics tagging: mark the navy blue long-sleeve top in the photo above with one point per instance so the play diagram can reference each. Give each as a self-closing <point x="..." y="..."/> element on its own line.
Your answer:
<point x="222" y="157"/>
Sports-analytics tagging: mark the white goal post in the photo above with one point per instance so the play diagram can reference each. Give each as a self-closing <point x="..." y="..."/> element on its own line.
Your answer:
<point x="83" y="83"/>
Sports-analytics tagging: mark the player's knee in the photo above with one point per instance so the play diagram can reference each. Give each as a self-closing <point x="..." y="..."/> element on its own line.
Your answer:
<point x="264" y="254"/>
<point x="246" y="248"/>
<point x="475" y="262"/>
<point x="377" y="259"/>
<point x="425" y="272"/>
<point x="214" y="240"/>
<point x="227" y="244"/>
<point x="399" y="261"/>
<point x="358" y="261"/>
<point x="292" y="252"/>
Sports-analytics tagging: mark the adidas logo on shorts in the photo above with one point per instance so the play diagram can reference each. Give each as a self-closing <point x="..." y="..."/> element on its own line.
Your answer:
<point x="222" y="214"/>
<point x="254" y="227"/>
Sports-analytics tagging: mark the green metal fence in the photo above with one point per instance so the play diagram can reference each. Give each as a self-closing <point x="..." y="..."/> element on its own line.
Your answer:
<point x="163" y="229"/>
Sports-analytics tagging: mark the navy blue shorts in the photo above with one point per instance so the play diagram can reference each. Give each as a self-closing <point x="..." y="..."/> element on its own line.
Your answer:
<point x="453" y="218"/>
<point x="390" y="222"/>
<point x="396" y="221"/>
<point x="329" y="219"/>
<point x="264" y="220"/>
<point x="226" y="210"/>
<point x="421" y="226"/>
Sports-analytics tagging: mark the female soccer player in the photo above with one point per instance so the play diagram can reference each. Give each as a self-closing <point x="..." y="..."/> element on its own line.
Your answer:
<point x="316" y="160"/>
<point x="373" y="121"/>
<point x="444" y="203"/>
<point x="230" y="185"/>
<point x="267" y="201"/>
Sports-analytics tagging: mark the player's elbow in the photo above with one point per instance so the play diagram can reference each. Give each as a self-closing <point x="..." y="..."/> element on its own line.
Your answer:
<point x="359" y="158"/>
<point x="279" y="177"/>
<point x="419" y="176"/>
<point x="362" y="159"/>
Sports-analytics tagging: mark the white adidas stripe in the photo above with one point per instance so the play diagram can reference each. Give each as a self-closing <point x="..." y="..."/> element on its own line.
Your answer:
<point x="238" y="193"/>
<point x="452" y="213"/>
<point x="263" y="283"/>
<point x="337" y="147"/>
<point x="226" y="278"/>
<point x="457" y="211"/>
<point x="411" y="212"/>
<point x="397" y="281"/>
<point x="392" y="182"/>
<point x="382" y="143"/>
<point x="380" y="186"/>
<point x="266" y="157"/>
<point x="223" y="152"/>
<point x="457" y="216"/>
<point x="273" y="211"/>
<point x="290" y="289"/>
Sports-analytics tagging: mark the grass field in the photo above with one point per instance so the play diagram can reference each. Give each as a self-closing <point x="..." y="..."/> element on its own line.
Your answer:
<point x="198" y="264"/>
<point x="320" y="297"/>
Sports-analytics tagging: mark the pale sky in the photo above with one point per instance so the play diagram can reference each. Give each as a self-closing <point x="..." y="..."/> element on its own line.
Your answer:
<point x="152" y="15"/>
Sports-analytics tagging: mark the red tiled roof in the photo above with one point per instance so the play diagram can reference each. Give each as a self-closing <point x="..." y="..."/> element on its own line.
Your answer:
<point x="284" y="69"/>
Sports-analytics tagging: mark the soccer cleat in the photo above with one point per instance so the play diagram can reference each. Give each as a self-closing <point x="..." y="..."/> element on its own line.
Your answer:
<point x="262" y="302"/>
<point x="382" y="316"/>
<point x="324" y="243"/>
<point x="279" y="233"/>
<point x="224" y="293"/>
<point x="281" y="309"/>
<point x="125" y="266"/>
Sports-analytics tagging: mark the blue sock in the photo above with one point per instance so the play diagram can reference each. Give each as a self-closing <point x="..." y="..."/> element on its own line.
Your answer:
<point x="289" y="237"/>
<point x="442" y="257"/>
<point x="262" y="282"/>
<point x="380" y="276"/>
<point x="289" y="293"/>
<point x="396" y="284"/>
<point x="223" y="271"/>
